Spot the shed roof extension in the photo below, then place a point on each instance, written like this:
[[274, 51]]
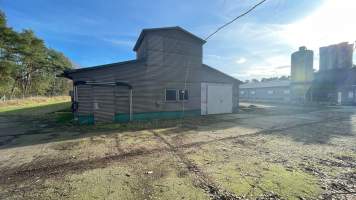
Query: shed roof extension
[[208, 71], [67, 73]]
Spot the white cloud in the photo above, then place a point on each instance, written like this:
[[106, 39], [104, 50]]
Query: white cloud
[[241, 60], [269, 46], [333, 22], [120, 42]]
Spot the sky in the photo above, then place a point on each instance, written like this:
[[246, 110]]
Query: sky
[[95, 32]]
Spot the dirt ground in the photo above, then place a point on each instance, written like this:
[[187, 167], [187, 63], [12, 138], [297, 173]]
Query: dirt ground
[[263, 152]]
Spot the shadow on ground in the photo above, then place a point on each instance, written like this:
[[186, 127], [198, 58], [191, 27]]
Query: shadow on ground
[[30, 126]]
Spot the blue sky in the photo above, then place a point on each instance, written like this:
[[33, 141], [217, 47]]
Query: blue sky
[[94, 32]]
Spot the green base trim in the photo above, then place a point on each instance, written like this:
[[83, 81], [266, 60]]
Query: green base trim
[[146, 116], [85, 119]]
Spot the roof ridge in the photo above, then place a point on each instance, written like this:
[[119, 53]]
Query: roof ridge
[[145, 30]]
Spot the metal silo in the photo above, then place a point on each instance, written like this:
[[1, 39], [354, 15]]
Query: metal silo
[[301, 74]]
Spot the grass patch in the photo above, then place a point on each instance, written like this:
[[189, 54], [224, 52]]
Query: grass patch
[[150, 177], [246, 173], [64, 117], [34, 106]]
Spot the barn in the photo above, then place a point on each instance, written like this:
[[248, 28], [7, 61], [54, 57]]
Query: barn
[[166, 80]]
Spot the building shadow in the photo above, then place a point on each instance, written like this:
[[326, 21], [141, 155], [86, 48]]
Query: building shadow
[[309, 125]]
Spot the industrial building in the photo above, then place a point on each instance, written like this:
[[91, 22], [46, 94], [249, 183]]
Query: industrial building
[[336, 79], [271, 91], [294, 90], [334, 83], [166, 80]]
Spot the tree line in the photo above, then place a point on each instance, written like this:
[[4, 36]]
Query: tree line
[[27, 66], [282, 78]]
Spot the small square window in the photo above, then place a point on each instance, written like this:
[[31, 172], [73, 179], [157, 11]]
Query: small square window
[[171, 95], [183, 95], [351, 94]]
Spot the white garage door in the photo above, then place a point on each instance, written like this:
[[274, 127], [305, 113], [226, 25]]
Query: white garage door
[[216, 98]]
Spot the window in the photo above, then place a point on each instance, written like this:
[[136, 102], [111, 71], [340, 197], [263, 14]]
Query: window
[[183, 95], [270, 91], [171, 95], [286, 91], [242, 92], [252, 92], [351, 95]]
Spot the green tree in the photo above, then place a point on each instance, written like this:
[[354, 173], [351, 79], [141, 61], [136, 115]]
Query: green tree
[[27, 66]]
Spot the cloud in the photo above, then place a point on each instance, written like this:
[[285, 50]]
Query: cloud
[[241, 60], [333, 22], [283, 67], [120, 42], [268, 46]]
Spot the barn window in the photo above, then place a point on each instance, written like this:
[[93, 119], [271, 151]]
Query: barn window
[[183, 95], [351, 95], [171, 95]]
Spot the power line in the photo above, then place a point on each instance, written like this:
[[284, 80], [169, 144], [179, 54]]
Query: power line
[[228, 23]]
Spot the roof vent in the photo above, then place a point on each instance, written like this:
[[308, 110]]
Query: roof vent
[[302, 48]]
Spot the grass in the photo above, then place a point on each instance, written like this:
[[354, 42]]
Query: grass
[[242, 170], [34, 105]]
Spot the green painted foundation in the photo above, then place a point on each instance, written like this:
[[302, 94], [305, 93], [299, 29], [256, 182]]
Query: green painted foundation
[[146, 116], [85, 119]]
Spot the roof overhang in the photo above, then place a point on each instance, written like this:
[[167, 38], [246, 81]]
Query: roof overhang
[[67, 73]]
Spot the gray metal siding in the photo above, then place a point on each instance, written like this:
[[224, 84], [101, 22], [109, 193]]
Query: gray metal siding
[[85, 99], [103, 96]]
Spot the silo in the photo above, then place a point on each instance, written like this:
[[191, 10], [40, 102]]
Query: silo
[[301, 74], [336, 56]]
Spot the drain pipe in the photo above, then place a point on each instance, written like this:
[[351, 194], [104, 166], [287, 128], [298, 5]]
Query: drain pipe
[[130, 103]]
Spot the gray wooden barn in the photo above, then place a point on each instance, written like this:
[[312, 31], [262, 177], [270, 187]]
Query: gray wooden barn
[[166, 80]]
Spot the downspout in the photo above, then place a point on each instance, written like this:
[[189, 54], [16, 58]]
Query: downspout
[[130, 91]]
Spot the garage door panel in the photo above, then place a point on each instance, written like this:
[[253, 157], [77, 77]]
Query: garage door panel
[[216, 98]]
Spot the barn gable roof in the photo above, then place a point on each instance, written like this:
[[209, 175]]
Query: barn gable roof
[[148, 30]]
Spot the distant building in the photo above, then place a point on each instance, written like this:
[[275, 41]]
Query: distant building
[[334, 83], [274, 91], [336, 80], [337, 86]]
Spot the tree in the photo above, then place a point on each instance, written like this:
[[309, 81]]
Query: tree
[[9, 40], [27, 66]]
